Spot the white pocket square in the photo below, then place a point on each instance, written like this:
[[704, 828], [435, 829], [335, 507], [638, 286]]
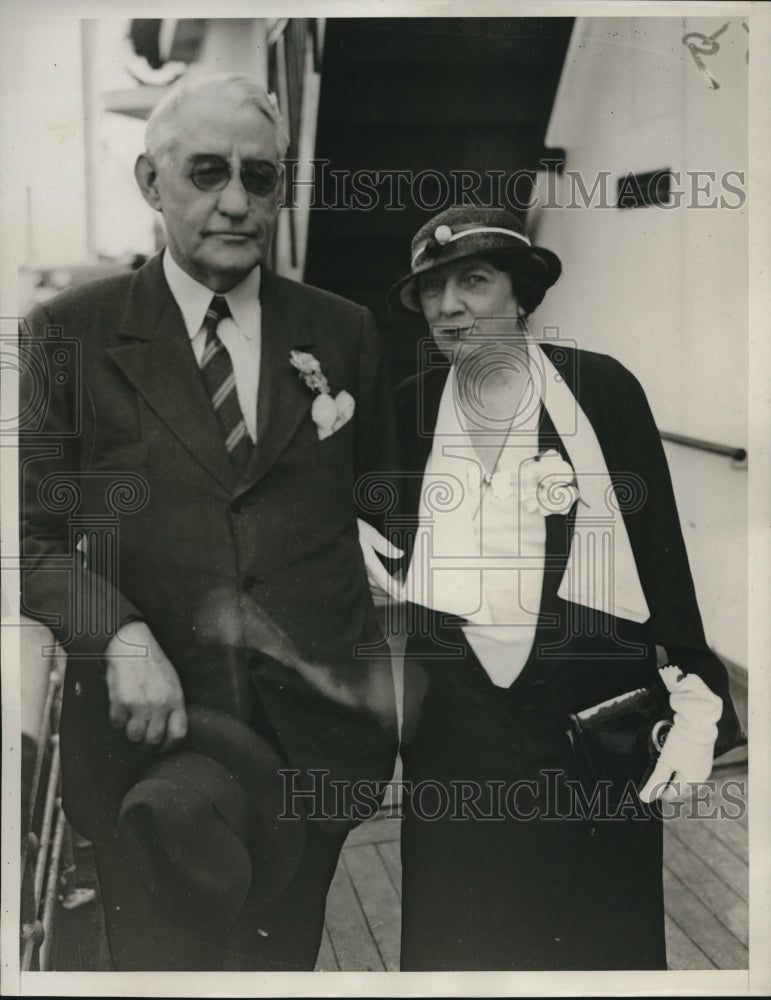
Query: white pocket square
[[331, 413]]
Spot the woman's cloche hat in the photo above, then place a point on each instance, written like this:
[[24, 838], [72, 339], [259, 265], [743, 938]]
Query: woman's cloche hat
[[462, 232]]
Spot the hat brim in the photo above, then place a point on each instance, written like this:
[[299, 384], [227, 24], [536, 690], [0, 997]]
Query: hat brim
[[197, 867], [278, 844], [402, 296], [257, 765]]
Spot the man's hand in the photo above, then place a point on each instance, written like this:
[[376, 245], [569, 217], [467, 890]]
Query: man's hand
[[146, 699], [381, 583]]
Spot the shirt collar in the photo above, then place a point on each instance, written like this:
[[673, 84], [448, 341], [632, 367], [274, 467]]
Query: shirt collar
[[194, 299]]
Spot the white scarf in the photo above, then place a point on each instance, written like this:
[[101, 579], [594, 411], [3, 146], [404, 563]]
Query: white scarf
[[600, 572], [599, 576]]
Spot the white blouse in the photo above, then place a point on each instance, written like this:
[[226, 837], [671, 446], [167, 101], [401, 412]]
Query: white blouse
[[479, 552]]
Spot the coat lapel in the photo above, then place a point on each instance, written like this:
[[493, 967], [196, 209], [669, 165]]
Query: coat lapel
[[421, 430], [559, 527], [154, 353], [283, 398]]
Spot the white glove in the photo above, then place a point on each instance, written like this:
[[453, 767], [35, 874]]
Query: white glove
[[381, 583], [688, 750]]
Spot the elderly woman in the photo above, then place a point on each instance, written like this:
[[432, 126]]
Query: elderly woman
[[547, 575]]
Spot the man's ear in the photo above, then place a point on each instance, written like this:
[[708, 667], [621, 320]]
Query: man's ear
[[147, 179]]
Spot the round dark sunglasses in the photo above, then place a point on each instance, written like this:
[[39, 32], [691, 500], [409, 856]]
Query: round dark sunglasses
[[258, 177]]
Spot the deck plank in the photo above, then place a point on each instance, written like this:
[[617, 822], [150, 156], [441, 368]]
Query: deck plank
[[701, 926], [700, 839], [390, 852], [731, 794], [378, 899], [349, 931], [735, 838], [733, 827], [682, 953], [80, 938], [326, 960], [384, 827], [723, 902]]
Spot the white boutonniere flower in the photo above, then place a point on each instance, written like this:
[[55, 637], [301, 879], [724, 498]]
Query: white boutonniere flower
[[547, 484], [329, 413]]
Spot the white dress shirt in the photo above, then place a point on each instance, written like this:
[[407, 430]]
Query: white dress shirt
[[240, 334]]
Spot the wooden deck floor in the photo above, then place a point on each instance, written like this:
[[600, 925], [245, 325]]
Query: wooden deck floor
[[706, 882], [706, 887]]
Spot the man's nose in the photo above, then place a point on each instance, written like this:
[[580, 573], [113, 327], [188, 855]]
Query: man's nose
[[234, 198]]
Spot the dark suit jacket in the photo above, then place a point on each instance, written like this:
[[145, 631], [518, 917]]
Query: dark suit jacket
[[122, 448], [585, 656]]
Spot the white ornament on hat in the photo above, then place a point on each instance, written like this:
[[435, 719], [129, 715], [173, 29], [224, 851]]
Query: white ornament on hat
[[444, 235]]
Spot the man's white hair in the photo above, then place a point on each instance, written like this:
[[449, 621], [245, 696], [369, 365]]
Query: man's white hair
[[239, 88]]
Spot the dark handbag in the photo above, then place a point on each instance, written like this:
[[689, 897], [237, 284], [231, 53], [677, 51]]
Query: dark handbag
[[619, 740]]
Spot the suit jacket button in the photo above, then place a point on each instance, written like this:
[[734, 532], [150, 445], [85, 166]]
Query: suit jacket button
[[236, 506], [249, 582]]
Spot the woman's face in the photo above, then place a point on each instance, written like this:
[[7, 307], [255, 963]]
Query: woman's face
[[457, 296]]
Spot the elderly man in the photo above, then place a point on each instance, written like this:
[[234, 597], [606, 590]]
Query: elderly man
[[190, 535]]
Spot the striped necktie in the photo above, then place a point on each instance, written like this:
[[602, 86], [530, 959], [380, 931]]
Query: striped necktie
[[220, 382]]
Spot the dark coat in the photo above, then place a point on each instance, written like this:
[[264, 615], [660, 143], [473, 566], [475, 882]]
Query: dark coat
[[615, 404], [122, 446], [486, 888]]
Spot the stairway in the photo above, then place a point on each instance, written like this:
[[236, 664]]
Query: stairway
[[415, 95]]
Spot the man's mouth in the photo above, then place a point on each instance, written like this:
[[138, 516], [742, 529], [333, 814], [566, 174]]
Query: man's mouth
[[231, 237]]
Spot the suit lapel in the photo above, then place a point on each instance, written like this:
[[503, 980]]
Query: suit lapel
[[283, 398], [156, 356]]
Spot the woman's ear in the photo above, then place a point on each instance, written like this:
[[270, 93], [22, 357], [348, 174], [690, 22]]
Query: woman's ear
[[147, 178]]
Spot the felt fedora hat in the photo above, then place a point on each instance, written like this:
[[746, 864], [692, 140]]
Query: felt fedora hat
[[462, 232], [203, 828]]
